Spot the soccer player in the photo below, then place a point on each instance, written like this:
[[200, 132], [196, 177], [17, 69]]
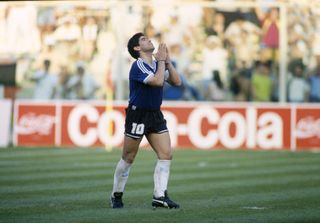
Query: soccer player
[[143, 117]]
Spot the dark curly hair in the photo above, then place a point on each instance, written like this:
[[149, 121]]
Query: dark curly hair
[[133, 42]]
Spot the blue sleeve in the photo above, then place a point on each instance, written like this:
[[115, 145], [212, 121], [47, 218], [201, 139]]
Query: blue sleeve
[[140, 73]]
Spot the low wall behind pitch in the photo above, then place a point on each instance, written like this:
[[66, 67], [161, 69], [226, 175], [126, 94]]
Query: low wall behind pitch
[[201, 125]]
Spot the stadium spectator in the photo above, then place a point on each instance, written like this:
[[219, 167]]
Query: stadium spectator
[[23, 36], [314, 81], [299, 38], [45, 82], [270, 31], [213, 23], [68, 29], [46, 21], [315, 40], [103, 61], [88, 40], [215, 90], [236, 27], [82, 85], [298, 88], [189, 16], [49, 51], [218, 25], [67, 36], [182, 53], [60, 91], [207, 21], [190, 91], [171, 92], [176, 31], [261, 82], [20, 25], [246, 50], [240, 86], [243, 37], [230, 13], [186, 91], [235, 87], [214, 57]]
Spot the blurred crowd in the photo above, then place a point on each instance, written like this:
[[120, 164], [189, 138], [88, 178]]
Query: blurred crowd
[[68, 51]]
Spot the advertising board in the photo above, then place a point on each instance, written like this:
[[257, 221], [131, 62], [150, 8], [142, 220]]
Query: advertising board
[[197, 125]]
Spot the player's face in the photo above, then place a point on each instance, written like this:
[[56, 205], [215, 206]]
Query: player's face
[[145, 44]]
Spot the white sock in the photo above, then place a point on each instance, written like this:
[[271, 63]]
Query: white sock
[[161, 177], [121, 175]]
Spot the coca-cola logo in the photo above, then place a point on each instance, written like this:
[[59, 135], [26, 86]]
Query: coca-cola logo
[[32, 123], [250, 128], [308, 127]]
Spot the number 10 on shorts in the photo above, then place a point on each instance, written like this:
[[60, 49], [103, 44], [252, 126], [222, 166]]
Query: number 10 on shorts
[[137, 128]]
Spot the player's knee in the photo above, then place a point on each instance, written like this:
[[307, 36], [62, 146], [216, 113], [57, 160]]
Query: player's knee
[[165, 156], [129, 157]]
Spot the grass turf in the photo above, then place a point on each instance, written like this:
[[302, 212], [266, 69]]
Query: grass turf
[[73, 185]]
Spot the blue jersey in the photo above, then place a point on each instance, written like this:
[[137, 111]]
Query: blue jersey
[[143, 95]]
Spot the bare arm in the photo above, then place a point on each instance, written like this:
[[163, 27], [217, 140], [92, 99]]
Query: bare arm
[[260, 14], [174, 77], [158, 78]]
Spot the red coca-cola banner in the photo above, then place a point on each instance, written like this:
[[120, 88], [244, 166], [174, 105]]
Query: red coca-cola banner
[[35, 124], [192, 125], [307, 128]]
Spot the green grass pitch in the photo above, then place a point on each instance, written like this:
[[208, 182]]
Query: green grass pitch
[[73, 185]]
